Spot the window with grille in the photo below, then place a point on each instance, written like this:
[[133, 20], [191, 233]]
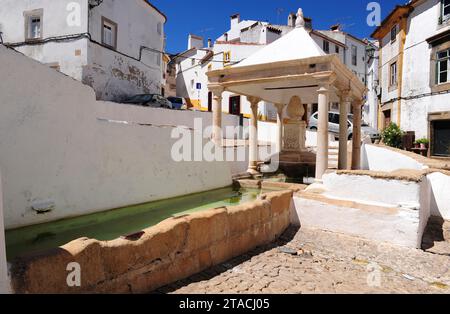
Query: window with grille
[[445, 10], [326, 46], [33, 24], [354, 55], [442, 66], [393, 34], [109, 33], [393, 74]]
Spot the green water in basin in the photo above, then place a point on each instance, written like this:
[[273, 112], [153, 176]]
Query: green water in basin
[[113, 224]]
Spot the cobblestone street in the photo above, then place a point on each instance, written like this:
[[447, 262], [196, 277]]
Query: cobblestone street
[[316, 261]]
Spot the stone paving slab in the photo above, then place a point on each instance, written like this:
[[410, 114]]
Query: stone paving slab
[[315, 261]]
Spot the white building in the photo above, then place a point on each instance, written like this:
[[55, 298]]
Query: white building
[[414, 58], [370, 111], [113, 46], [228, 49], [244, 38]]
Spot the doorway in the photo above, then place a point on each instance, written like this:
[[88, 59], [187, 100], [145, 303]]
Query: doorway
[[235, 105], [210, 99], [440, 138], [386, 118]]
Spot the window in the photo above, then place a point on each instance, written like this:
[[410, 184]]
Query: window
[[394, 34], [336, 49], [354, 55], [109, 33], [33, 24], [210, 101], [326, 46], [159, 28], [192, 85], [442, 66], [445, 10], [35, 27], [393, 74], [227, 57], [192, 62], [235, 105]]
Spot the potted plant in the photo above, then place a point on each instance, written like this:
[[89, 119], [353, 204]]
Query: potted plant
[[423, 142], [392, 136]]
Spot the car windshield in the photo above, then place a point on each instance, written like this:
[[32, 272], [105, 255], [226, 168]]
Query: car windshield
[[140, 98], [175, 100], [350, 118]]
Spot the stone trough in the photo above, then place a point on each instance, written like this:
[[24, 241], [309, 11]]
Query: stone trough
[[172, 250]]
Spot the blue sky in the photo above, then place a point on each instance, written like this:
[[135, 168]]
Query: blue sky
[[210, 18]]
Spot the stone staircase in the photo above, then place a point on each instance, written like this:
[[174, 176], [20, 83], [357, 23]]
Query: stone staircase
[[333, 156]]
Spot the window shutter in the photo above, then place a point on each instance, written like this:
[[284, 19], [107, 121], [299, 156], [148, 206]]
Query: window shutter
[[437, 73]]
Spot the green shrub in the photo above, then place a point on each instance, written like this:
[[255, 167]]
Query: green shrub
[[423, 141], [392, 136]]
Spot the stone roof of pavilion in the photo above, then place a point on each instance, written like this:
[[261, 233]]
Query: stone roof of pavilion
[[295, 45]]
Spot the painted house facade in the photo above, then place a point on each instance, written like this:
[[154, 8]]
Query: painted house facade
[[113, 46], [244, 38], [414, 63]]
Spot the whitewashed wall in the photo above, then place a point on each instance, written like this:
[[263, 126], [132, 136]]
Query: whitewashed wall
[[54, 148], [4, 281], [70, 56], [422, 24], [376, 158], [440, 198], [113, 75], [381, 159], [54, 18]]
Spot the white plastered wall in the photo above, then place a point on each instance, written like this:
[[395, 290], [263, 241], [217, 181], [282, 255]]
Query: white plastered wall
[[54, 149]]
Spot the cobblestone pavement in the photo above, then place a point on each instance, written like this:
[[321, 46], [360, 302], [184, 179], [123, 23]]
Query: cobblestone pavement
[[316, 261]]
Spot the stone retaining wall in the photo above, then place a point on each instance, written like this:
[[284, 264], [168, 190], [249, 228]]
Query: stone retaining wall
[[172, 250]]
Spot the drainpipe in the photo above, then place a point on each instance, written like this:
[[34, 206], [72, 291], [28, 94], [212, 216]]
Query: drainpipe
[[4, 281]]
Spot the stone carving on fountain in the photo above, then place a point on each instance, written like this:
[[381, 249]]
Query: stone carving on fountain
[[295, 127]]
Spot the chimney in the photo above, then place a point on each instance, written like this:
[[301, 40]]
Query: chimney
[[336, 27], [209, 43], [308, 23], [235, 20], [195, 41], [292, 18]]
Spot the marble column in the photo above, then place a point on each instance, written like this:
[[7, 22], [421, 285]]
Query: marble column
[[217, 115], [322, 132], [253, 136], [279, 142], [356, 150], [343, 128]]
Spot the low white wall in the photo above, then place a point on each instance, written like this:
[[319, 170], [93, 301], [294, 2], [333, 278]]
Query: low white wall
[[54, 150], [376, 158], [368, 189], [440, 195], [411, 198], [144, 115], [400, 227]]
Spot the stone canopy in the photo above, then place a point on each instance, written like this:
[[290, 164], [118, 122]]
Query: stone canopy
[[294, 66]]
